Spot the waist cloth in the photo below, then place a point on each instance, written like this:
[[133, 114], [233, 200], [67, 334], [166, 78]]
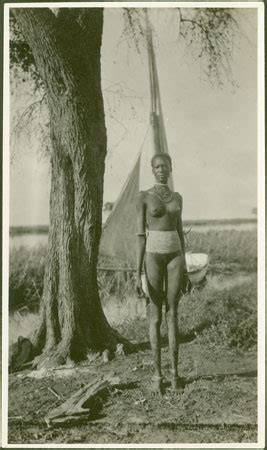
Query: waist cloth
[[163, 242]]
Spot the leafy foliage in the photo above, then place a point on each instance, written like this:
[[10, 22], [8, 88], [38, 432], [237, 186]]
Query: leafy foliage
[[21, 56], [33, 118]]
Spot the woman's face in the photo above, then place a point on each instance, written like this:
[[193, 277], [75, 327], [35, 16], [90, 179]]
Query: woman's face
[[161, 169]]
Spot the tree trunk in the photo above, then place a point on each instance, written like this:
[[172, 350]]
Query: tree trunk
[[67, 49]]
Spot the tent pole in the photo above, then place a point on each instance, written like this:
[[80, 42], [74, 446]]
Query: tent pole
[[153, 87]]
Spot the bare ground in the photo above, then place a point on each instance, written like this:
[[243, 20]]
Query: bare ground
[[218, 403]]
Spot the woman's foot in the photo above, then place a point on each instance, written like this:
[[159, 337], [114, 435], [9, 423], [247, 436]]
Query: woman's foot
[[176, 383], [157, 385]]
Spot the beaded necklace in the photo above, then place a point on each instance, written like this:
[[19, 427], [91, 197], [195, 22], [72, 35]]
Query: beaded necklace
[[163, 192]]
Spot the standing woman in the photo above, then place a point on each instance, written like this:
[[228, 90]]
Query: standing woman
[[160, 246]]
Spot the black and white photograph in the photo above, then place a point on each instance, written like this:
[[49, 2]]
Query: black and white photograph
[[133, 225]]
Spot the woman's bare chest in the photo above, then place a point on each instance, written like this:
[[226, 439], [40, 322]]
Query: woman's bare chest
[[158, 208]]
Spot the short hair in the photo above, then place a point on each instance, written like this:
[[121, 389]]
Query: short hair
[[161, 155]]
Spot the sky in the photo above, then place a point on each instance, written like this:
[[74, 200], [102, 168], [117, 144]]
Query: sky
[[211, 131]]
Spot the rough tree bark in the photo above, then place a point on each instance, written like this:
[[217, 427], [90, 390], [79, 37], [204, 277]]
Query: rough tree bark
[[66, 49]]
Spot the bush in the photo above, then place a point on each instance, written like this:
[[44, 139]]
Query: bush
[[234, 322]]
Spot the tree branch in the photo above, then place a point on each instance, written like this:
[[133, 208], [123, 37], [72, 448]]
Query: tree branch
[[194, 22], [209, 33]]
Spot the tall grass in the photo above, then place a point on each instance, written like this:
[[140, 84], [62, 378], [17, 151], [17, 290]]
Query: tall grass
[[224, 247], [223, 313], [26, 274]]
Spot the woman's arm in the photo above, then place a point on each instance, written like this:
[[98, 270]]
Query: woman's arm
[[180, 223], [186, 285], [141, 240]]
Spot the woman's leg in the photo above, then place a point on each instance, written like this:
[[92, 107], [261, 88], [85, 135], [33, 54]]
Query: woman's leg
[[155, 275], [175, 270]]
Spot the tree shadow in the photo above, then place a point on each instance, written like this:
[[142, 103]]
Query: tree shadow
[[215, 376], [184, 338], [222, 376]]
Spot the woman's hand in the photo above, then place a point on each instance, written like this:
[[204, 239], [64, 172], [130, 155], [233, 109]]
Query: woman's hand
[[139, 288], [186, 284]]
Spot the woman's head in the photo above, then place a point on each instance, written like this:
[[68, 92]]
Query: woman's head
[[161, 167]]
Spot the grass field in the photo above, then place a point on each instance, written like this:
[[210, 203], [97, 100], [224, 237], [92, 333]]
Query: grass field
[[224, 311]]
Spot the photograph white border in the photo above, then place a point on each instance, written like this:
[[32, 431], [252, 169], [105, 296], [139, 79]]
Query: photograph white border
[[261, 219]]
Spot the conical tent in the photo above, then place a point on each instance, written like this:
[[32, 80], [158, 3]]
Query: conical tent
[[118, 237], [119, 230]]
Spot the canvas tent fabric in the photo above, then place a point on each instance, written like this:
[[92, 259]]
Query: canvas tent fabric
[[119, 233]]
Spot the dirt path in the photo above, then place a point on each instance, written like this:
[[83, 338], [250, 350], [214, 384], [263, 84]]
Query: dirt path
[[218, 403]]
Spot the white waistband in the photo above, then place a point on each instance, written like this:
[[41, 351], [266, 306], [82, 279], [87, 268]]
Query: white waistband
[[162, 242]]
